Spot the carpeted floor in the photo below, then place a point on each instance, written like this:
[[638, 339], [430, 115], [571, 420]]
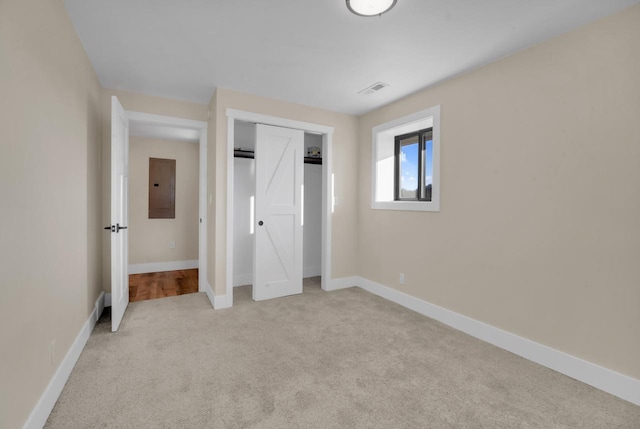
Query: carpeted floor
[[343, 359]]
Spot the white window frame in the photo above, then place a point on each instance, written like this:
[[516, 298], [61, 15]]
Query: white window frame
[[383, 144]]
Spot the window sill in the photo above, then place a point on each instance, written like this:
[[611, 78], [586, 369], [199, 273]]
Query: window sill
[[422, 206]]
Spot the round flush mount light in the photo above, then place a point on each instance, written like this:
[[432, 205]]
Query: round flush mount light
[[370, 7]]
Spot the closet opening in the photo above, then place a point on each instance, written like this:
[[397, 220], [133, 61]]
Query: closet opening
[[244, 210], [266, 178]]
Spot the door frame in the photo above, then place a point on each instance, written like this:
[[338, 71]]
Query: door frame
[[201, 128], [327, 186]]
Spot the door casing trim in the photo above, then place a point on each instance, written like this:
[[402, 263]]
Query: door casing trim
[[201, 127], [327, 189]]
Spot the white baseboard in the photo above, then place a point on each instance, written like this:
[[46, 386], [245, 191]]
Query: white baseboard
[[221, 302], [597, 376], [209, 292], [99, 306], [341, 283], [41, 411], [242, 279], [311, 272], [107, 299], [158, 267]]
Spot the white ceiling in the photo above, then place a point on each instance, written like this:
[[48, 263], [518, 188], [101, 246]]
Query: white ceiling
[[312, 52]]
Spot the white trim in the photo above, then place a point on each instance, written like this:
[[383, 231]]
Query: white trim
[[201, 126], [202, 206], [422, 206], [327, 194], [341, 283], [100, 305], [41, 411], [407, 124], [242, 279], [219, 302], [107, 299], [594, 375], [209, 292], [158, 267], [276, 121], [153, 119], [328, 206], [230, 203]]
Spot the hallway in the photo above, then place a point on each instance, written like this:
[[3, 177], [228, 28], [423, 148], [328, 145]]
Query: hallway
[[161, 285]]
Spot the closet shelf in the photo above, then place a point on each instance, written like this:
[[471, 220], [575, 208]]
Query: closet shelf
[[239, 153]]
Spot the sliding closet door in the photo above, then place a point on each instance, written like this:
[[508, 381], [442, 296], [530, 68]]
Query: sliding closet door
[[278, 213]]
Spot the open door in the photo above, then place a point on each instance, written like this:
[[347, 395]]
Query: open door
[[119, 212], [277, 256]]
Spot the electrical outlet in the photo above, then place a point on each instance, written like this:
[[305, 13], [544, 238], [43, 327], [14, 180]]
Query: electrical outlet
[[52, 350], [401, 279], [172, 244]]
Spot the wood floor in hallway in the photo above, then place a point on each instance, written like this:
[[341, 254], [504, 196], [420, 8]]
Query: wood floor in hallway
[[160, 285]]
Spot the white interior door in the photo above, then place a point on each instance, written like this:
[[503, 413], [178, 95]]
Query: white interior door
[[277, 256], [119, 212]]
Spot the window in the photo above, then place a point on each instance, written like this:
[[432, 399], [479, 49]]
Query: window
[[414, 166], [406, 163]]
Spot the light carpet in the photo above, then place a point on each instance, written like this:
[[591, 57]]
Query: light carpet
[[343, 359]]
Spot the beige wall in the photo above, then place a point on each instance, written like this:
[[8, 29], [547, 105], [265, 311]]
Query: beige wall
[[540, 168], [149, 238], [344, 219], [137, 103], [538, 232], [50, 175]]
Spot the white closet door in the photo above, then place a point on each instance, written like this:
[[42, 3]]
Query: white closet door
[[278, 213]]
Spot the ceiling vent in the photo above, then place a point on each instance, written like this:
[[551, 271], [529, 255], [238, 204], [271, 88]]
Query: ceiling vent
[[373, 88]]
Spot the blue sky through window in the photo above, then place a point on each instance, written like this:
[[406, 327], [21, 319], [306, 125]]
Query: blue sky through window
[[409, 165], [428, 162]]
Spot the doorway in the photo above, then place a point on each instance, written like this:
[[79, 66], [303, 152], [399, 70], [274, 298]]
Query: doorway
[[163, 213], [184, 130], [319, 138], [151, 125]]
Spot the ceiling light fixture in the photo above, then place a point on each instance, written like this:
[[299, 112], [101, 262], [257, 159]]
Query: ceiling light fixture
[[370, 7]]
